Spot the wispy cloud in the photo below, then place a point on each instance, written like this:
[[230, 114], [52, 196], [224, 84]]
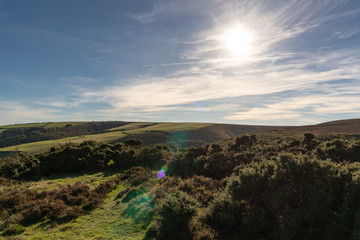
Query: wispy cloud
[[13, 112], [297, 107], [346, 34], [147, 17], [214, 82], [171, 8]]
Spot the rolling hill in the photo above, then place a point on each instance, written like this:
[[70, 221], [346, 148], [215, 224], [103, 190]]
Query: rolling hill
[[38, 137], [333, 127]]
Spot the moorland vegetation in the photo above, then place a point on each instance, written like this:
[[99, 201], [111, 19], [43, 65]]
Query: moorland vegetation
[[249, 187]]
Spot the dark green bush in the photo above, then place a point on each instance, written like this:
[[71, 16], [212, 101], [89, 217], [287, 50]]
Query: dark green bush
[[133, 142], [292, 196], [175, 214], [19, 166]]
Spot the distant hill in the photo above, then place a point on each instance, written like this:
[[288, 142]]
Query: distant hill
[[37, 137], [333, 127]]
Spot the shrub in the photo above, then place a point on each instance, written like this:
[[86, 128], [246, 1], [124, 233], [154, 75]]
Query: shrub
[[19, 166], [224, 215], [14, 229], [175, 214], [133, 142], [308, 142], [243, 142], [289, 196], [200, 188], [136, 175], [335, 150]]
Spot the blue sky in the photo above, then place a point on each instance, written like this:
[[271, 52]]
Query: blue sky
[[285, 62]]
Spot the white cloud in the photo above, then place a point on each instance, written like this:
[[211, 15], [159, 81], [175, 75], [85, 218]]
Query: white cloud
[[225, 80], [293, 108], [12, 112]]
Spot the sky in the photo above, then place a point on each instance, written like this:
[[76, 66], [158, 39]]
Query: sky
[[279, 62]]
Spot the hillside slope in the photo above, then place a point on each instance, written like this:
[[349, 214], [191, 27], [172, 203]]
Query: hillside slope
[[39, 137], [333, 127]]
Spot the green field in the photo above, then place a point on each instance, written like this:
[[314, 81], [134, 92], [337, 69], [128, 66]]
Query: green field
[[42, 146]]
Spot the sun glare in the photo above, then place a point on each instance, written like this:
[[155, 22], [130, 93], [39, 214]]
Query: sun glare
[[238, 41]]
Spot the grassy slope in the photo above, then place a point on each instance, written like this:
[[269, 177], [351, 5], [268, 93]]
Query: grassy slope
[[204, 131], [104, 222], [170, 127], [131, 126], [141, 127], [25, 125], [108, 137], [41, 146], [44, 125]]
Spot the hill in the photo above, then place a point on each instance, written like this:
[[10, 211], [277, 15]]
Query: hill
[[38, 137], [333, 127]]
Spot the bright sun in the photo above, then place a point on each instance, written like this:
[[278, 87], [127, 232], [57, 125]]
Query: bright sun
[[238, 41]]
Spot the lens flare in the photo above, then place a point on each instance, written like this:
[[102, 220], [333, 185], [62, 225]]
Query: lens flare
[[162, 172], [178, 137]]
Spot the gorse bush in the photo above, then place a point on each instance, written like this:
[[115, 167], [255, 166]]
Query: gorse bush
[[87, 157], [175, 214], [19, 166], [291, 196]]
